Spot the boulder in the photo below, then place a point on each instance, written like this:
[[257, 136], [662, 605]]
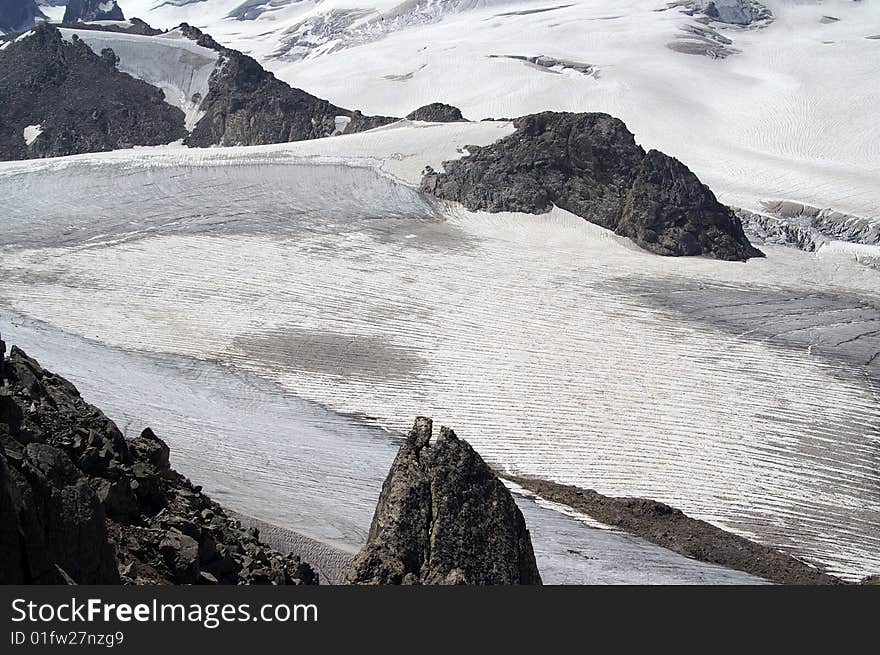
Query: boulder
[[437, 112], [444, 518]]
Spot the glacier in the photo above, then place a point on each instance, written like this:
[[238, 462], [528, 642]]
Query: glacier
[[745, 394]]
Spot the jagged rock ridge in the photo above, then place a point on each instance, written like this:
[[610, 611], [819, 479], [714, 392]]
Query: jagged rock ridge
[[590, 165], [83, 11], [444, 518], [248, 105], [80, 503], [59, 97]]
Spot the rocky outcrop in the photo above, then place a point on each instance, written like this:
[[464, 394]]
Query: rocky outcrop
[[248, 105], [81, 503], [444, 518], [59, 97], [84, 11], [437, 112], [731, 12], [590, 165], [19, 15]]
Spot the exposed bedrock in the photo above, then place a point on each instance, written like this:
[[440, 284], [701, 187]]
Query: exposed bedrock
[[248, 105], [437, 112], [59, 97], [444, 518], [83, 11], [18, 15], [732, 12], [80, 503], [590, 165]]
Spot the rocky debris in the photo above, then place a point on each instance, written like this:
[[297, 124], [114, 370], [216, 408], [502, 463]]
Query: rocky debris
[[763, 229], [805, 227], [702, 40], [437, 112], [81, 503], [84, 11], [671, 528], [553, 64], [444, 518], [247, 105], [740, 13], [19, 15], [75, 101], [713, 15], [590, 165]]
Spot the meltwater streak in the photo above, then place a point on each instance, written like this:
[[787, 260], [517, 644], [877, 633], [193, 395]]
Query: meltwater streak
[[525, 333]]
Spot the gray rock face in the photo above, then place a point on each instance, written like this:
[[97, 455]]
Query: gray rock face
[[436, 112], [79, 100], [18, 15], [80, 503], [732, 12], [247, 105], [444, 518], [83, 11], [590, 164]]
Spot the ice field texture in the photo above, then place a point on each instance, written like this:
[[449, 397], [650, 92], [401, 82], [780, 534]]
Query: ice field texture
[[267, 453], [281, 313], [745, 394]]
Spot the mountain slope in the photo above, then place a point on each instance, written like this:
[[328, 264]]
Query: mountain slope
[[84, 11], [246, 105], [58, 97], [74, 90], [757, 118]]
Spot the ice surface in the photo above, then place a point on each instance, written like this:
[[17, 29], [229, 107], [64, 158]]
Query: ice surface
[[557, 349], [266, 453]]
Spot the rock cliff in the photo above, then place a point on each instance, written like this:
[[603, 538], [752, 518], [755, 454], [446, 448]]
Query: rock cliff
[[18, 15]]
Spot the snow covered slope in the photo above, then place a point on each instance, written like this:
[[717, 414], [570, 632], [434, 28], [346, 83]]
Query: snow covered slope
[[791, 115]]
